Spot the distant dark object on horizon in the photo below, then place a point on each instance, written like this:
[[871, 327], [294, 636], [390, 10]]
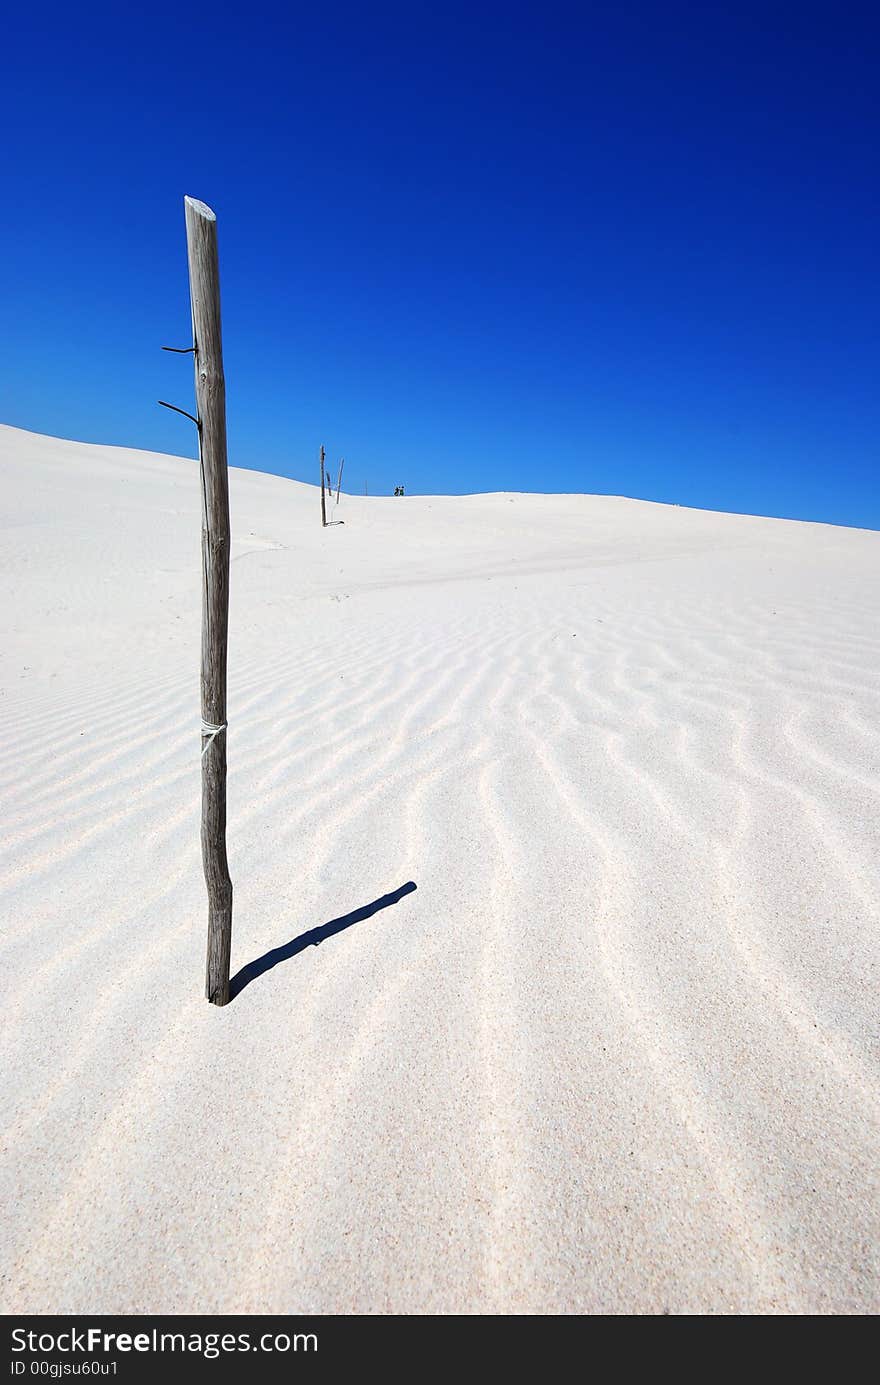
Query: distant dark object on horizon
[[399, 490]]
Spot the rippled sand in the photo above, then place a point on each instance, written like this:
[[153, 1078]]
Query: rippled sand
[[617, 1051]]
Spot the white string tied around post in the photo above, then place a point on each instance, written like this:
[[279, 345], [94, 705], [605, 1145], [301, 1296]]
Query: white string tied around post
[[211, 731]]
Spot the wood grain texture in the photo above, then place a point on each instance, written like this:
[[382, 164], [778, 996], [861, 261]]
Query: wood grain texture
[[204, 284]]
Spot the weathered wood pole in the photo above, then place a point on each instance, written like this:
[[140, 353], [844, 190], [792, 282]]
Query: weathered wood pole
[[323, 494], [204, 289], [339, 478]]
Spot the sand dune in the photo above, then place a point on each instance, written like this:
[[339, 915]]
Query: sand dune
[[617, 1050]]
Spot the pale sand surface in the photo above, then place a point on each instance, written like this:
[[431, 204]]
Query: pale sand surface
[[618, 1050]]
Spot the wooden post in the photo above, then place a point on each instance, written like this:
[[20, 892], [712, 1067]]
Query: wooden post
[[323, 498], [339, 478], [204, 288]]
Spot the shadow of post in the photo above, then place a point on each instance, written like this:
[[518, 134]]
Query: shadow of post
[[261, 965]]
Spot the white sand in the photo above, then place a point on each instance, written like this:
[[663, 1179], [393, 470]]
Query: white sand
[[616, 1052]]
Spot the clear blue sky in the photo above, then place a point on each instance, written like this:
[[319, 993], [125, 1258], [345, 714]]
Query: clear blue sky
[[626, 248]]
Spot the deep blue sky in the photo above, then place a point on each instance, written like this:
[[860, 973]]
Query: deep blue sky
[[626, 248]]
